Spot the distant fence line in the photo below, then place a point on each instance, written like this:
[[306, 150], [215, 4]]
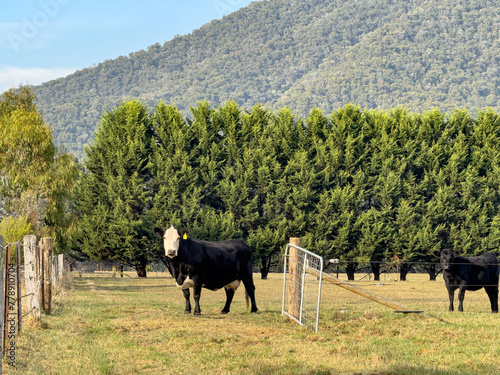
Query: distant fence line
[[96, 267], [158, 269], [107, 266]]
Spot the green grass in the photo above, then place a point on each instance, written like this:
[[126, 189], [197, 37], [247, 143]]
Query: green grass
[[104, 325]]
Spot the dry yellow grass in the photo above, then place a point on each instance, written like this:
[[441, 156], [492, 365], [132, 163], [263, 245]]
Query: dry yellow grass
[[105, 325]]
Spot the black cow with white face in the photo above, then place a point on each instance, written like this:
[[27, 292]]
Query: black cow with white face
[[470, 273], [209, 264]]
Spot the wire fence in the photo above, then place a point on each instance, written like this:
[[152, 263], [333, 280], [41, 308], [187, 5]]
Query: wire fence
[[115, 269], [364, 271], [27, 280]]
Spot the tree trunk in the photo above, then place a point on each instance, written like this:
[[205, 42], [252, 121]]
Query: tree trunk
[[141, 271], [431, 270], [263, 273], [351, 269], [141, 267], [376, 270], [264, 269], [404, 268]]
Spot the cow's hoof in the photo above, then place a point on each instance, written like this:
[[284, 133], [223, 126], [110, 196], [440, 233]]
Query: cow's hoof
[[254, 311], [196, 313], [187, 311], [224, 312]]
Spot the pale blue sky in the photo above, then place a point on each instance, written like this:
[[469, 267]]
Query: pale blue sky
[[45, 39]]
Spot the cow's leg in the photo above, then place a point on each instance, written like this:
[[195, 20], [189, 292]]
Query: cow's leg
[[188, 302], [461, 296], [494, 303], [250, 289], [229, 299], [196, 297], [492, 292], [451, 295]]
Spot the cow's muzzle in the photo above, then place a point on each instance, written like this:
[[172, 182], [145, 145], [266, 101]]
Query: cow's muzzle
[[171, 253]]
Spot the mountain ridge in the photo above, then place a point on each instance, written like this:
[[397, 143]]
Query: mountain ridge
[[420, 54]]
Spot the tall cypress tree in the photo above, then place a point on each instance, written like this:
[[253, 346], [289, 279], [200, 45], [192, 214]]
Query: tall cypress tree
[[174, 178], [114, 195]]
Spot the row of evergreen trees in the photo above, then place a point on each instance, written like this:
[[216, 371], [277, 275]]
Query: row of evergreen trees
[[362, 186]]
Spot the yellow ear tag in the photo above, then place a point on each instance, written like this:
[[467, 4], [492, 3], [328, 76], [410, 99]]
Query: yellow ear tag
[[185, 237]]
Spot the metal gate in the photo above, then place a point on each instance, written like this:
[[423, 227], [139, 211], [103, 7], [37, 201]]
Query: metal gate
[[302, 289]]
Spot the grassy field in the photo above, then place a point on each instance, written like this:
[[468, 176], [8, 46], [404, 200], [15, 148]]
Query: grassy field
[[104, 325]]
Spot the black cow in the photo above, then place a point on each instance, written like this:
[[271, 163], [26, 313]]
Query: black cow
[[470, 273], [208, 264]]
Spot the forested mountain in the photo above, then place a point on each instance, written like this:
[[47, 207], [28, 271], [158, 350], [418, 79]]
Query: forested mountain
[[419, 54]]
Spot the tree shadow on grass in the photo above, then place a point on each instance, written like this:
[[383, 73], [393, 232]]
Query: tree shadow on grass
[[132, 288], [422, 370], [84, 284]]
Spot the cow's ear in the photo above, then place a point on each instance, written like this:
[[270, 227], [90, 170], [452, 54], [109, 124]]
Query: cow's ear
[[456, 253], [437, 253], [158, 232], [184, 235]]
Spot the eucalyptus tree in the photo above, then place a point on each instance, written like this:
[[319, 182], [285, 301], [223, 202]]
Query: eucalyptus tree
[[36, 179]]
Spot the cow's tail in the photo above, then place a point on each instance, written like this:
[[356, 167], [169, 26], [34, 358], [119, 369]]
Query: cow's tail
[[247, 299]]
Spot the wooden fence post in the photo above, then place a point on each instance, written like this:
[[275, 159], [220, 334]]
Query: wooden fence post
[[62, 269], [295, 279], [2, 299], [38, 272], [54, 272], [18, 282], [31, 277], [6, 298], [58, 270], [46, 250]]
